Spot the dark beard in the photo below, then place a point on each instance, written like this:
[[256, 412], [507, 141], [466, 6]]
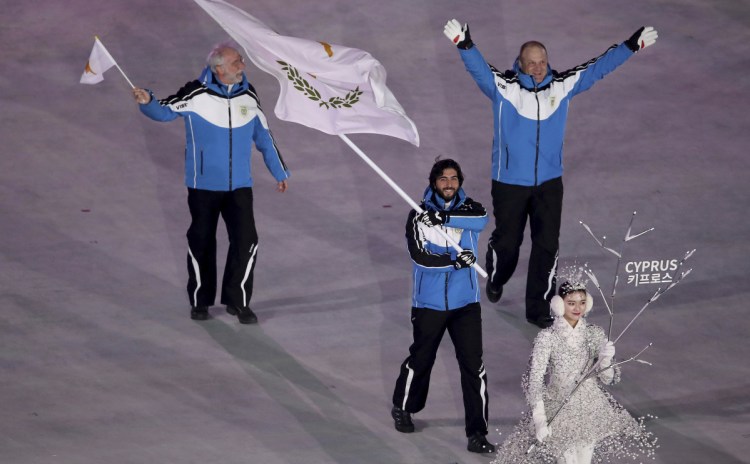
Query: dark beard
[[440, 195]]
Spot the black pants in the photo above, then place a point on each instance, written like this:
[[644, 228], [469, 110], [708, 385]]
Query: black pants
[[236, 208], [542, 205], [465, 329]]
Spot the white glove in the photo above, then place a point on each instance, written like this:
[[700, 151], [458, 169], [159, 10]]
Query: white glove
[[606, 353], [540, 421], [642, 38], [458, 34]]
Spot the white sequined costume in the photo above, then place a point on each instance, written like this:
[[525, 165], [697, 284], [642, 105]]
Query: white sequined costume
[[591, 416]]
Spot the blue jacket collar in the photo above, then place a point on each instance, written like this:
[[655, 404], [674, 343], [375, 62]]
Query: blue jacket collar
[[527, 81], [432, 201], [209, 79]]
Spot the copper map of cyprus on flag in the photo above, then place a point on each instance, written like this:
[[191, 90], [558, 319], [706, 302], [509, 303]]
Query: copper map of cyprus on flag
[[331, 88], [99, 61]]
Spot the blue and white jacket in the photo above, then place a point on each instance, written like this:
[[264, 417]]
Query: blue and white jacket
[[437, 284], [529, 118], [220, 128]]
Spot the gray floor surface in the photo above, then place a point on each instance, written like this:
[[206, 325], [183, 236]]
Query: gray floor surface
[[99, 361]]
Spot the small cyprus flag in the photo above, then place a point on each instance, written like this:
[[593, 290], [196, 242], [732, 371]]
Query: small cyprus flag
[[99, 61]]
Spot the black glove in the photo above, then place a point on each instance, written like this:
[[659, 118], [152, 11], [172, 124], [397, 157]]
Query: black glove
[[458, 34], [432, 218], [642, 38], [464, 259]]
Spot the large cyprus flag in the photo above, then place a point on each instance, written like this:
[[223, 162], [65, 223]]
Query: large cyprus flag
[[331, 88]]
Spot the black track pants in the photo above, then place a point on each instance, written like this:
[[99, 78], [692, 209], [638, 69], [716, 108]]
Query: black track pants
[[512, 205], [464, 326], [236, 208]]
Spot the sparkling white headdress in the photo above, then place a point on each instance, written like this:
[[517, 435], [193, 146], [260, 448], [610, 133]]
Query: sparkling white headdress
[[573, 279]]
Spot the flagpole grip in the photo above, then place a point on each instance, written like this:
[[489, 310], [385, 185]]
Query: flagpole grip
[[405, 197], [123, 75]]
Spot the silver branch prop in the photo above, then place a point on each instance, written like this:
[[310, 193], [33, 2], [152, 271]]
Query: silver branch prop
[[659, 292], [628, 237], [590, 274], [589, 373]]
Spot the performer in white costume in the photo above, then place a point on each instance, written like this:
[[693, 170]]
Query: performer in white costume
[[591, 425]]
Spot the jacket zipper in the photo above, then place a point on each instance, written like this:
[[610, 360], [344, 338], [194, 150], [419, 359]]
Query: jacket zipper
[[538, 128], [229, 109], [447, 274], [446, 290]]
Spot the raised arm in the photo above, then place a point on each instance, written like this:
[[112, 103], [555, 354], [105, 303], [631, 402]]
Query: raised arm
[[153, 108], [594, 70], [473, 60]]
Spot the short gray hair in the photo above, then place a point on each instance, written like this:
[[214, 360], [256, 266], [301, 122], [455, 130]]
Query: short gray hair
[[216, 55]]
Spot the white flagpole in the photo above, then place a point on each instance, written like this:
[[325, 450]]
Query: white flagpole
[[96, 37], [406, 198]]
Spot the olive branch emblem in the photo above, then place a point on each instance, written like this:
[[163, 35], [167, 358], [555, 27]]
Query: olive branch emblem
[[301, 84]]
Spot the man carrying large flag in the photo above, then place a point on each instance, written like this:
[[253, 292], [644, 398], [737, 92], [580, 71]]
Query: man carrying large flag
[[223, 119], [334, 89]]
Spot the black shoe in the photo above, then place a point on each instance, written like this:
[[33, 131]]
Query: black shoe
[[493, 293], [541, 322], [244, 314], [199, 313], [478, 444], [402, 420]]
